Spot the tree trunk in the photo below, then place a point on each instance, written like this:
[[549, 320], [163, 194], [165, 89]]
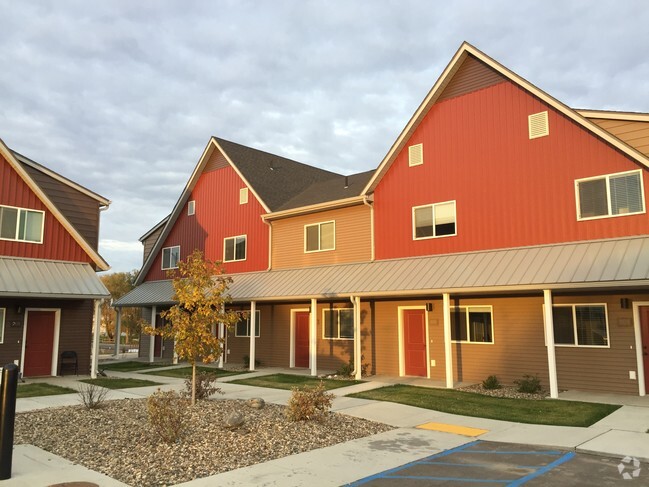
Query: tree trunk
[[193, 383]]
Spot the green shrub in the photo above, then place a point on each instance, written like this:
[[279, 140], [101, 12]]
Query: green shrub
[[491, 382], [309, 403], [167, 415], [205, 386], [529, 384], [347, 370], [92, 396]]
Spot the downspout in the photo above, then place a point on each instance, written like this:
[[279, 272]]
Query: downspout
[[368, 202], [270, 244]]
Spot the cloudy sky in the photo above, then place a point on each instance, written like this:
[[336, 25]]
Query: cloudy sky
[[122, 96]]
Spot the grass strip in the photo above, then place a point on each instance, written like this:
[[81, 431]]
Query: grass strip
[[130, 366], [184, 372], [41, 389], [288, 381], [119, 383], [547, 411]]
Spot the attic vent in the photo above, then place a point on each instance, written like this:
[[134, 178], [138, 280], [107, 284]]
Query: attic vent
[[416, 155], [538, 125], [243, 196]]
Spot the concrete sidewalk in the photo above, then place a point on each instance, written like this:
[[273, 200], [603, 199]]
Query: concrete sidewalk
[[623, 433]]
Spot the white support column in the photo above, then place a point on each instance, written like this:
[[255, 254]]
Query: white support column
[[549, 341], [253, 332], [118, 331], [221, 334], [358, 359], [94, 356], [313, 337], [448, 350], [152, 337]]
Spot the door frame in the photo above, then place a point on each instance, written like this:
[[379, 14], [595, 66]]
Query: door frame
[[55, 342], [402, 357], [291, 359], [638, 346]]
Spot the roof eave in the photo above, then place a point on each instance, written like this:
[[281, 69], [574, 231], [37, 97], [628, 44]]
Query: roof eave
[[327, 205]]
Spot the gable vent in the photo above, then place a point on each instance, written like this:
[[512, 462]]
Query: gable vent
[[538, 125], [416, 155]]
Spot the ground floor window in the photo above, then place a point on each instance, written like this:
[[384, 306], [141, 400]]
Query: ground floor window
[[472, 324], [583, 325], [242, 328], [338, 323]]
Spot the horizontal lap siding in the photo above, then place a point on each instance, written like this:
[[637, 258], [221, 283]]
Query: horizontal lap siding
[[636, 134]]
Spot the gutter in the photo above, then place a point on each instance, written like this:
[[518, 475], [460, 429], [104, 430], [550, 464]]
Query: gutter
[[328, 205]]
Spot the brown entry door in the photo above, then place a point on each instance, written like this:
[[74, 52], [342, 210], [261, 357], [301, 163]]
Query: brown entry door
[[414, 340], [644, 329], [39, 342], [302, 339]]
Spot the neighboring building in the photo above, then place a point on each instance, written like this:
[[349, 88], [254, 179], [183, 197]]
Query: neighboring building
[[503, 233], [49, 292]]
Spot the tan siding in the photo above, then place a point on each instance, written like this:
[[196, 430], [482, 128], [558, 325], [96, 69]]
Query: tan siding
[[353, 238], [472, 75], [636, 134], [150, 242], [216, 161]]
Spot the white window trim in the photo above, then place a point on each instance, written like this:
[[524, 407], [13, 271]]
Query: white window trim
[[3, 320], [257, 327], [191, 208], [324, 310], [319, 224], [18, 223], [243, 196], [414, 223], [574, 325], [608, 195], [162, 260], [467, 307], [245, 257]]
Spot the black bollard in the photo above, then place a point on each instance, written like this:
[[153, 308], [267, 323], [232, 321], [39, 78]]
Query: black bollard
[[7, 418]]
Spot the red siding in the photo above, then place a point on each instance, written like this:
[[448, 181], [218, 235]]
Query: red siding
[[57, 244], [219, 215], [510, 191]]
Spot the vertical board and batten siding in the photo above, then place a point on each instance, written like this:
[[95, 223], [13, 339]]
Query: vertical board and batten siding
[[57, 244], [218, 215], [635, 134], [510, 191], [150, 241], [353, 239]]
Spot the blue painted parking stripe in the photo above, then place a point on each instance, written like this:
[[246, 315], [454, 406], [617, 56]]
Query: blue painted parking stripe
[[451, 464], [565, 458], [448, 479], [502, 452]]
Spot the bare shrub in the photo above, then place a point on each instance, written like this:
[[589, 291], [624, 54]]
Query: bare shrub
[[309, 403], [92, 396], [167, 414], [205, 386]]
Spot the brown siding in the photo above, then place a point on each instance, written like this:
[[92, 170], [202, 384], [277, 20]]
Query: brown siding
[[216, 161], [353, 238], [472, 75], [167, 344], [150, 241], [636, 134]]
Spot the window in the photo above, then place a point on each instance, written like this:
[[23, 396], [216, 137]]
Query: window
[[2, 325], [243, 196], [21, 224], [611, 195], [234, 248], [191, 208], [338, 323], [472, 324], [416, 155], [242, 328], [319, 237], [170, 257], [583, 325], [432, 221]]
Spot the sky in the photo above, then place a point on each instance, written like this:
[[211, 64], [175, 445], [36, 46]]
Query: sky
[[122, 96]]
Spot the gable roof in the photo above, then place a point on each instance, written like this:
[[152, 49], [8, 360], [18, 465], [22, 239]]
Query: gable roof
[[465, 51], [9, 156]]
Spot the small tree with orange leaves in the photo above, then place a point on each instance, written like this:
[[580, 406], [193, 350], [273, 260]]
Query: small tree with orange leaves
[[200, 289]]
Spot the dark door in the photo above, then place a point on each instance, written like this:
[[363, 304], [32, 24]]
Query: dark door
[[414, 340], [302, 339], [39, 342], [644, 331]]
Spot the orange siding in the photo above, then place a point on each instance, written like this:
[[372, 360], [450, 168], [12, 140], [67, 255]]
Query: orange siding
[[636, 134], [353, 238]]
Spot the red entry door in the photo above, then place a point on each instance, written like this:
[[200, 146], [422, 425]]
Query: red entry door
[[302, 339], [39, 342], [414, 339], [644, 331]]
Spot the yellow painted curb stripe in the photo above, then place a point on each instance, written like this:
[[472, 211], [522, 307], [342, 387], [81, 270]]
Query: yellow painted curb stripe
[[452, 428]]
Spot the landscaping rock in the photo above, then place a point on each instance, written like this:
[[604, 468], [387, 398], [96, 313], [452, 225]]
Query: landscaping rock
[[256, 403], [233, 420]]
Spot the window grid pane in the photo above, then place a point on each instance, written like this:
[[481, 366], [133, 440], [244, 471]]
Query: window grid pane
[[346, 318], [330, 324], [592, 198], [8, 222], [564, 332], [327, 236], [240, 251], [626, 194], [445, 219], [591, 325], [458, 324], [424, 222], [312, 238], [229, 249]]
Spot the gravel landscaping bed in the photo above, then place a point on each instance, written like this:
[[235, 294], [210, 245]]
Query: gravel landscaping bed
[[504, 391], [116, 439]]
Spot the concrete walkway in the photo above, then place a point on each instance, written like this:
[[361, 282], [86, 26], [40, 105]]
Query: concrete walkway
[[623, 433]]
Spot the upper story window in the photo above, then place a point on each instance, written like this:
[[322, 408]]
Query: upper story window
[[21, 224], [581, 325], [170, 257], [416, 155], [319, 237], [191, 208], [242, 328], [234, 248], [472, 324], [243, 196], [437, 220], [611, 195]]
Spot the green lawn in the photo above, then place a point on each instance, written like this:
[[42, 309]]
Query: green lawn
[[547, 411], [117, 383], [288, 381], [130, 366], [183, 372], [41, 389]]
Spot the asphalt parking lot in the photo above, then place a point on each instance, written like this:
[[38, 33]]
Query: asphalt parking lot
[[505, 464]]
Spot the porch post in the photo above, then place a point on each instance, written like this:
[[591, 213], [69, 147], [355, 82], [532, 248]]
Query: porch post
[[549, 340], [253, 332], [94, 362], [118, 330], [448, 350], [152, 337], [313, 337], [357, 338], [221, 361]]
